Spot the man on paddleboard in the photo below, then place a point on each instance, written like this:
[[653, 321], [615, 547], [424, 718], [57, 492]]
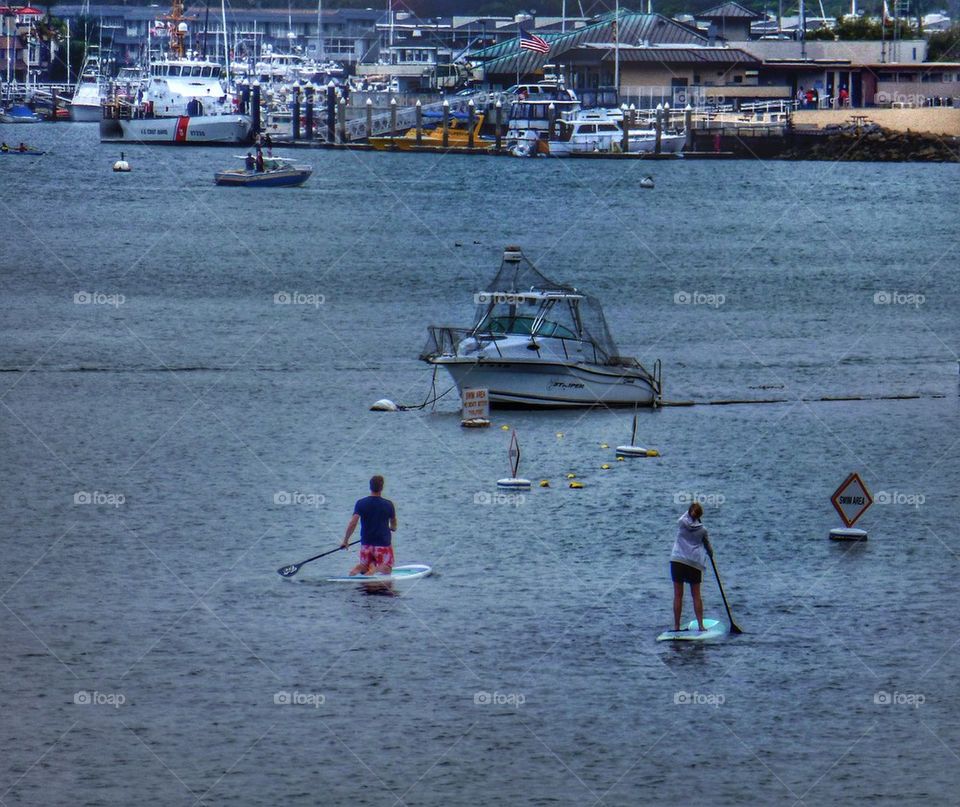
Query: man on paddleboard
[[378, 519], [687, 562]]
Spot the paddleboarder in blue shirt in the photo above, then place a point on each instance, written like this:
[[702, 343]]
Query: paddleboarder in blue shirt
[[687, 562], [378, 520]]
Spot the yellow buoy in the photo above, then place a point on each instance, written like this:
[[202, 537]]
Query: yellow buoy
[[576, 485], [505, 427], [604, 445], [544, 483], [620, 459], [652, 452], [571, 476], [605, 467], [559, 435]]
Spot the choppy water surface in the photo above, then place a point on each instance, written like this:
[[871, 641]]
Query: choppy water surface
[[152, 654]]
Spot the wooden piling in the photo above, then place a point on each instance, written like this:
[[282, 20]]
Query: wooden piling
[[659, 129], [688, 128], [295, 118], [369, 119], [446, 123], [342, 119], [393, 120], [419, 122], [498, 135], [471, 115]]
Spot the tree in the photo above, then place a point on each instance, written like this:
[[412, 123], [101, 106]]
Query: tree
[[944, 46]]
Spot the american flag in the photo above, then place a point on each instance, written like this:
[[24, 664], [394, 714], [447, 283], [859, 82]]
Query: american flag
[[530, 41]]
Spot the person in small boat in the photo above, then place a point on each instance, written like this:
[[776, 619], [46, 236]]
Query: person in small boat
[[260, 166], [22, 147], [4, 148], [268, 143], [687, 562], [249, 163], [377, 517]]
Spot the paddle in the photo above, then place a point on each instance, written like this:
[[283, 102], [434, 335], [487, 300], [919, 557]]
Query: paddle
[[293, 568], [734, 627]]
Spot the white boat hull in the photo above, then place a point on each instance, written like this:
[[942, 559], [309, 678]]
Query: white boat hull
[[550, 384], [182, 130], [85, 113]]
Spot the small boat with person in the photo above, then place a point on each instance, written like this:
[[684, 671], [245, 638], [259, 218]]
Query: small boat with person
[[276, 172]]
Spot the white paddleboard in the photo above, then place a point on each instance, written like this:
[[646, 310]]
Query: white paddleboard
[[692, 632], [412, 571]]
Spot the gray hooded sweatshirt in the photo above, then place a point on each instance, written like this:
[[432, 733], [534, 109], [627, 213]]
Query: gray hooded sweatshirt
[[688, 548]]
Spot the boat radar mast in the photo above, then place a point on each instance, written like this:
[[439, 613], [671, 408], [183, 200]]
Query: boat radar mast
[[177, 26]]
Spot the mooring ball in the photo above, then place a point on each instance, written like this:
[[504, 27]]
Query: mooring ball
[[604, 445], [505, 427], [652, 452], [571, 476], [544, 483], [605, 467], [384, 405], [620, 459], [576, 484]]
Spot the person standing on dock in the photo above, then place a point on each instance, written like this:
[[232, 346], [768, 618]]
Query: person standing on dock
[[687, 562], [377, 517]]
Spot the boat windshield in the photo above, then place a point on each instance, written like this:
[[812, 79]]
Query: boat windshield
[[520, 300], [525, 325]]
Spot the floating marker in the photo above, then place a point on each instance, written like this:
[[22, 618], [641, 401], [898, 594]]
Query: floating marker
[[505, 427], [576, 485], [559, 435], [571, 476], [633, 450], [544, 483], [475, 423], [848, 534], [384, 405], [620, 459], [514, 482], [605, 467], [121, 166], [604, 445]]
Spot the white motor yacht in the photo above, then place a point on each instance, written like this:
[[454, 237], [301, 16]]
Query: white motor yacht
[[536, 343]]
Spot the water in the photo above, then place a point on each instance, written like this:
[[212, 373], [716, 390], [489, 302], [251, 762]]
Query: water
[[524, 671]]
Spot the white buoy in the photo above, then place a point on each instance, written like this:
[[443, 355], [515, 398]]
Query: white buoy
[[633, 450], [384, 405], [513, 483], [121, 166], [475, 423], [646, 182], [848, 534]]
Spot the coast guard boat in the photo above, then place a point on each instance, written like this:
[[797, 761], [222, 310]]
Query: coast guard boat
[[536, 343], [183, 101]]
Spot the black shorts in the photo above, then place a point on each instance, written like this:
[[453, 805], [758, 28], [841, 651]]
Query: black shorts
[[682, 573]]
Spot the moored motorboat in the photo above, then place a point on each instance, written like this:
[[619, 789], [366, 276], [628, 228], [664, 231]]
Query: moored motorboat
[[537, 343], [278, 172], [19, 113], [458, 137]]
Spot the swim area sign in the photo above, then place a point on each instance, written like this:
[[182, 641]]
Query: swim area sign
[[476, 404], [852, 499]]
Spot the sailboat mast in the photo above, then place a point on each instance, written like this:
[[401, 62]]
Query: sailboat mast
[[226, 41], [616, 48], [320, 54]]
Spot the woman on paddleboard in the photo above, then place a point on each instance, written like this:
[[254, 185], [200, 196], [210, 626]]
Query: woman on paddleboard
[[687, 562], [378, 520]]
